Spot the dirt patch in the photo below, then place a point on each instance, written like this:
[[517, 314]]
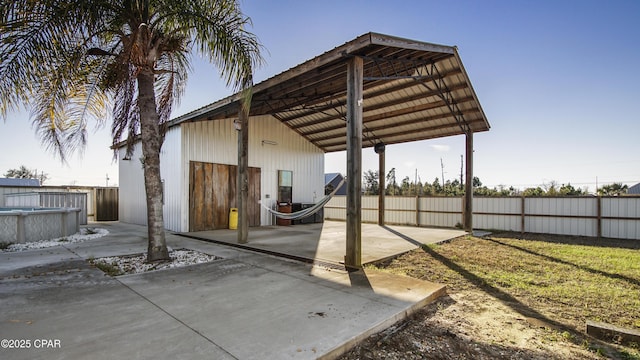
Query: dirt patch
[[512, 298], [472, 325]]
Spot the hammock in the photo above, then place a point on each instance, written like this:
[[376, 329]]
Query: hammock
[[308, 211]]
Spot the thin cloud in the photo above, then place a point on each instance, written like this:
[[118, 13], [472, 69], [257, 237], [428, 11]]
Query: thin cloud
[[441, 148]]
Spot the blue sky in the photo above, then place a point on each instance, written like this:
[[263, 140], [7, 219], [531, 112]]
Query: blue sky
[[558, 81]]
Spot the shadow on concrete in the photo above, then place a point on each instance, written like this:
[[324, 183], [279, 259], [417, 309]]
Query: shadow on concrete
[[326, 243], [403, 236], [358, 277], [243, 305]]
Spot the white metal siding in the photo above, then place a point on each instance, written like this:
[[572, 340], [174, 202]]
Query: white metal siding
[[369, 208], [560, 207], [439, 211], [561, 226], [336, 208], [132, 204], [398, 210], [622, 207], [620, 216], [216, 142], [171, 171], [486, 210], [10, 190], [585, 206], [451, 206], [23, 200]]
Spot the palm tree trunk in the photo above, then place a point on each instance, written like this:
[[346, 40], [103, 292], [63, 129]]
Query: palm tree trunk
[[151, 144]]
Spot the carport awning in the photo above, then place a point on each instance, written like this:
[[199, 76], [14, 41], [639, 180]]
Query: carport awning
[[412, 91]]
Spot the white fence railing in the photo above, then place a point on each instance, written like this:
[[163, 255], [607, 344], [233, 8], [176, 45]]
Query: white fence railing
[[611, 217], [49, 200]]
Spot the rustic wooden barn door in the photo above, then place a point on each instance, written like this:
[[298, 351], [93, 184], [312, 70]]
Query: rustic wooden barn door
[[212, 192]]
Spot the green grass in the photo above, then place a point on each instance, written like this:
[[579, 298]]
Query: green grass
[[561, 279], [110, 269]]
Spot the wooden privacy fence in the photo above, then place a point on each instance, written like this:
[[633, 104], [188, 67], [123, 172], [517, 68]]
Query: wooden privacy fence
[[106, 204], [611, 217]]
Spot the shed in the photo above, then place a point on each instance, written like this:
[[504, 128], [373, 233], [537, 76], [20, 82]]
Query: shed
[[372, 91], [13, 182], [12, 185], [199, 169]]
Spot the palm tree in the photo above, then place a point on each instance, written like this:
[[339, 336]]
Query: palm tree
[[66, 60]]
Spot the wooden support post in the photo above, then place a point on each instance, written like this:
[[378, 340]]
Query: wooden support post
[[242, 184], [353, 257], [522, 215], [599, 215], [468, 186], [381, 188]]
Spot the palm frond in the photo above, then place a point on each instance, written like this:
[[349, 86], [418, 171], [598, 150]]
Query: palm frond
[[44, 64], [172, 70], [219, 32], [67, 58]]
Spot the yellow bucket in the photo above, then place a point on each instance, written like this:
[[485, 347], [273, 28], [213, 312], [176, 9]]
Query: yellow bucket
[[233, 218]]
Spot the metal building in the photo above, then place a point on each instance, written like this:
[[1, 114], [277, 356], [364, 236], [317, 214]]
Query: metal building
[[198, 167], [372, 91]]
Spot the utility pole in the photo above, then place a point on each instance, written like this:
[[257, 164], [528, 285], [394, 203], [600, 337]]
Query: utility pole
[[442, 168]]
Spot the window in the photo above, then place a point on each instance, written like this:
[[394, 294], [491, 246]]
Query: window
[[285, 183]]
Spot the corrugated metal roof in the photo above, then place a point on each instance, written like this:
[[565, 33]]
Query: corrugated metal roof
[[19, 182], [412, 91]]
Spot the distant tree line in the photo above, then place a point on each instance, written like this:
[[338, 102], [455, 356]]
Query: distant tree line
[[371, 186], [25, 173]]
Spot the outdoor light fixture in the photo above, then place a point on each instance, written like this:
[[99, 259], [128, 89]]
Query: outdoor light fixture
[[379, 148], [237, 124], [269, 142]]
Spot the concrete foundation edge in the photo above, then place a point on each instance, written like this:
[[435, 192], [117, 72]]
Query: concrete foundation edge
[[353, 342], [612, 333]]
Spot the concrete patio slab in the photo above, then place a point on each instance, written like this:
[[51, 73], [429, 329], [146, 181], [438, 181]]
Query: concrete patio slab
[[327, 241], [245, 305]]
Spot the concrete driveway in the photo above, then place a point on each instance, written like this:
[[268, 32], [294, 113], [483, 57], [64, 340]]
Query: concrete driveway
[[246, 305]]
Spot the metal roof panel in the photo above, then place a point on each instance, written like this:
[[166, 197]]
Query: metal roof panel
[[412, 91]]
